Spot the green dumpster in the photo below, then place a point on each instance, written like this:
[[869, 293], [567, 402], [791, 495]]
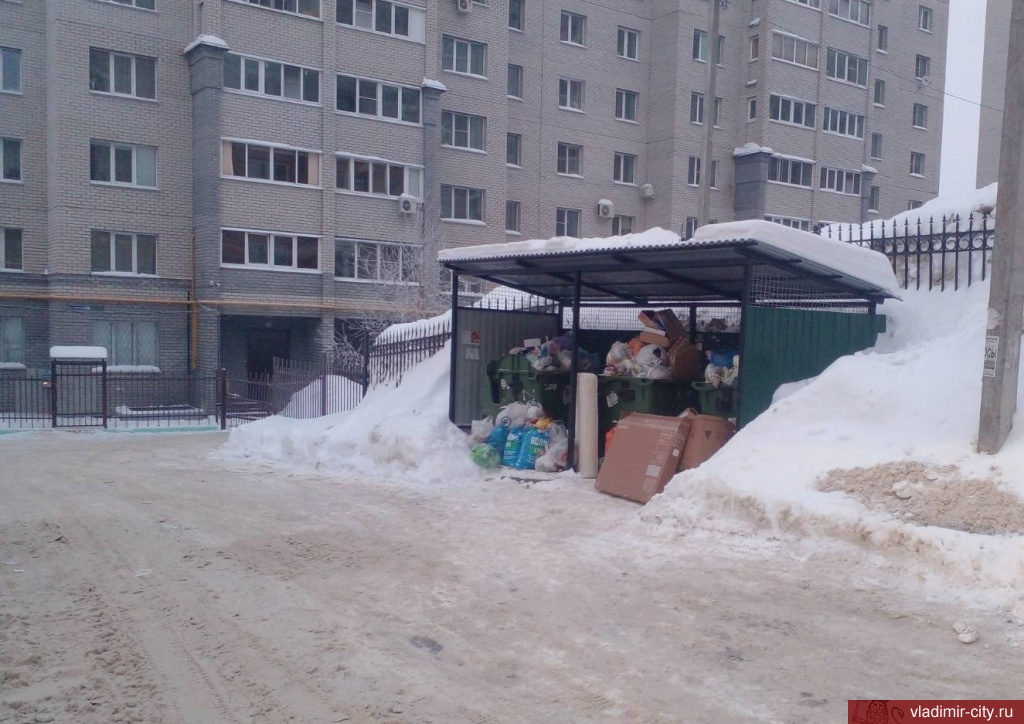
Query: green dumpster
[[513, 379], [619, 396], [722, 401]]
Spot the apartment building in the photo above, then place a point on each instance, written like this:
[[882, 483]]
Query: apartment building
[[206, 183], [993, 89]]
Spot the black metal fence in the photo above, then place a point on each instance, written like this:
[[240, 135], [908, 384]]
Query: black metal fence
[[949, 252], [401, 347]]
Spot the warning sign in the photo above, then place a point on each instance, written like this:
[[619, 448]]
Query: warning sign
[[991, 354]]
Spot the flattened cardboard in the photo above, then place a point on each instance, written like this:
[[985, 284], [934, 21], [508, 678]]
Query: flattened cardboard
[[684, 361], [708, 434], [668, 321], [644, 457], [648, 318], [654, 336]]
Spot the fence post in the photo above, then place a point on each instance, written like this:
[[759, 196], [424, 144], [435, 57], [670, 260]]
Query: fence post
[[53, 393], [222, 396], [103, 389], [366, 363], [323, 387]]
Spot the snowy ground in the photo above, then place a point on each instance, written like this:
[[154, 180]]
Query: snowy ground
[[143, 579]]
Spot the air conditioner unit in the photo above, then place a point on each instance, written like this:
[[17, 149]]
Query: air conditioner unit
[[924, 81], [463, 6], [407, 204], [605, 209], [647, 191]]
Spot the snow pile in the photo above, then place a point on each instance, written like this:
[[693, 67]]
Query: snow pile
[[395, 432], [342, 394], [913, 399]]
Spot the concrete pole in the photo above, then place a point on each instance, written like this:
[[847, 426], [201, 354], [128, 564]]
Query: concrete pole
[[710, 83], [1006, 296]]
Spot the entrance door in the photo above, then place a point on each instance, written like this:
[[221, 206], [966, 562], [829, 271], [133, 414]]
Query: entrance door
[[262, 346]]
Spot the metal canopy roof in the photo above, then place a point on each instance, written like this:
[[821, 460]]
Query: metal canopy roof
[[690, 271]]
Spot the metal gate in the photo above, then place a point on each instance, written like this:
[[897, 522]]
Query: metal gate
[[78, 393]]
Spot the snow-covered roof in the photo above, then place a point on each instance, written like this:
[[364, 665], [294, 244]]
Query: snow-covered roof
[[77, 352], [207, 39], [750, 148], [435, 84]]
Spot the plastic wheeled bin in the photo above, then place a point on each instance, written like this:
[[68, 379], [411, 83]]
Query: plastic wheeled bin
[[619, 396], [513, 379], [722, 401]]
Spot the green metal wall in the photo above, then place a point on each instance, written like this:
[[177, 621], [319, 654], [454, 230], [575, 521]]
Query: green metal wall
[[786, 345]]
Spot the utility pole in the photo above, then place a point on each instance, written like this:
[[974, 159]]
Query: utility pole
[[710, 82], [1006, 296]]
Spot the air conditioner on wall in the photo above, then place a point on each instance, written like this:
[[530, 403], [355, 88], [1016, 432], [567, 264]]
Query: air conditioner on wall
[[605, 209], [407, 204], [463, 6], [647, 191]]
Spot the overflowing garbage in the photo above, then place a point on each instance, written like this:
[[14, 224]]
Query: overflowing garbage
[[523, 437]]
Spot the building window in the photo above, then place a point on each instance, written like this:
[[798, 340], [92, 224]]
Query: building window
[[377, 177], [570, 94], [697, 109], [882, 43], [879, 98], [625, 104], [573, 28], [924, 18], [922, 67], [512, 211], [376, 99], [844, 123], [458, 202], [10, 70], [808, 3], [127, 343], [622, 225], [463, 56], [515, 81], [513, 149], [700, 45], [624, 168], [791, 222], [794, 50], [10, 251], [382, 16], [689, 227], [570, 159], [840, 181], [628, 45], [265, 162], [713, 180], [790, 110], [12, 340], [462, 130], [914, 204], [920, 115], [272, 79], [751, 109], [859, 11], [376, 261], [874, 198], [141, 4], [515, 14], [876, 145], [269, 250], [123, 253], [308, 8], [567, 222], [122, 164], [693, 171], [792, 171], [916, 163], [846, 67], [122, 74], [10, 159], [755, 47]]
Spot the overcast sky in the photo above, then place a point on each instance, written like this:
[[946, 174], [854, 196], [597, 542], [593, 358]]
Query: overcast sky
[[963, 78]]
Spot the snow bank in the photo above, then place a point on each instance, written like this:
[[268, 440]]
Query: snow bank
[[395, 432], [341, 394]]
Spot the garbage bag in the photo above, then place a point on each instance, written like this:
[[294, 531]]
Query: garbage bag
[[480, 430]]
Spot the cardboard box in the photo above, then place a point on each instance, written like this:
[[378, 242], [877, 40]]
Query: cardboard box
[[708, 434], [651, 335], [668, 321], [644, 456], [685, 361]]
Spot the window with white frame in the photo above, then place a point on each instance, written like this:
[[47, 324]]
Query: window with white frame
[[570, 159], [11, 250], [622, 225], [377, 177], [567, 222], [790, 221], [463, 56], [879, 96], [512, 213], [123, 253], [271, 79], [697, 109], [846, 67], [626, 104], [840, 180], [141, 4], [127, 343], [376, 261], [12, 340], [515, 81], [123, 164], [922, 67], [308, 8], [382, 16], [882, 39], [516, 14], [269, 250], [573, 28], [10, 159], [844, 123], [751, 108], [792, 171], [514, 149], [699, 49], [10, 70], [920, 115], [122, 74], [693, 170], [570, 94], [624, 168], [378, 99], [876, 145], [690, 227], [791, 110], [916, 163], [924, 18], [463, 130], [858, 11], [713, 179], [808, 3], [874, 198], [267, 162], [628, 44], [796, 50], [914, 204], [461, 203]]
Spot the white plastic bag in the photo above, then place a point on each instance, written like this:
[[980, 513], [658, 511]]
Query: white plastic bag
[[513, 415], [480, 430]]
